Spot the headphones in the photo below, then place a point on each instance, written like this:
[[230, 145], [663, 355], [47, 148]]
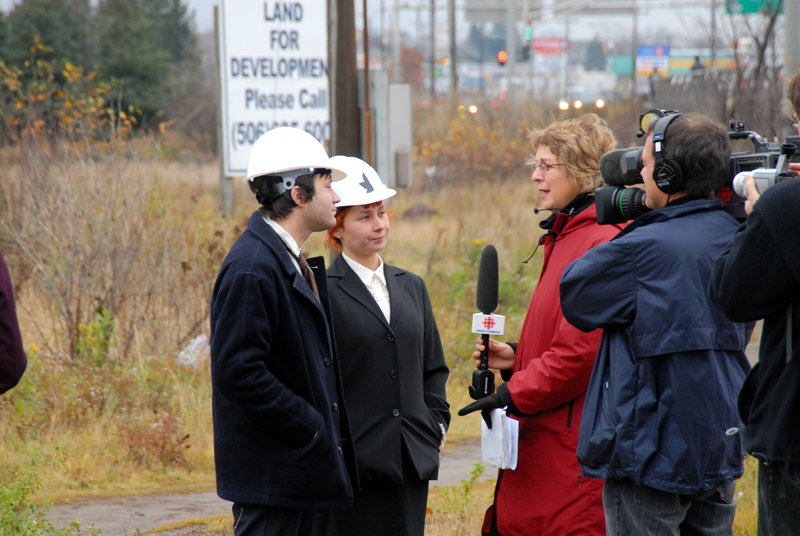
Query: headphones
[[667, 173]]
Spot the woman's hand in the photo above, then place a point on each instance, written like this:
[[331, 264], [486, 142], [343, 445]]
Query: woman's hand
[[501, 355]]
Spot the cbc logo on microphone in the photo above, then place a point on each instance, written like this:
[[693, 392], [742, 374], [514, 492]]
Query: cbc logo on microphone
[[488, 324]]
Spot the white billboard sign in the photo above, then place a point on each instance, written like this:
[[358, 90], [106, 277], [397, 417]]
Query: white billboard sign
[[274, 72]]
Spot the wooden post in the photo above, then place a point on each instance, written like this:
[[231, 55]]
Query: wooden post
[[343, 80], [367, 112]]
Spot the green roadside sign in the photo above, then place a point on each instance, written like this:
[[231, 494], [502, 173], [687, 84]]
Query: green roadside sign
[[751, 7]]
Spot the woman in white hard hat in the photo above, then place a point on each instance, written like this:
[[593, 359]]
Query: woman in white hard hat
[[392, 364]]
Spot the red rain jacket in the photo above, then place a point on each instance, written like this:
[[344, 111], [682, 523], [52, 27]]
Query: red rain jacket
[[544, 495]]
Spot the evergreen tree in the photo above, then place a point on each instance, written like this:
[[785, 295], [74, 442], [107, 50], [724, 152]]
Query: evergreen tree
[[148, 47], [3, 35], [143, 42], [62, 25]]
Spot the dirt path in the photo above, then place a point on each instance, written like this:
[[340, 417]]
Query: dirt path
[[123, 515]]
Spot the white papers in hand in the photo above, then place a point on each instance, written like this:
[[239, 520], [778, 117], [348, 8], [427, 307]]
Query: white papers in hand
[[499, 444]]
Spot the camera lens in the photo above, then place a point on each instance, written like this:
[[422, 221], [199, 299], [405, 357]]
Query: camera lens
[[631, 203], [618, 205]]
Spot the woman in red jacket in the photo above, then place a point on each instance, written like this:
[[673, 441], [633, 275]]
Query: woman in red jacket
[[548, 370]]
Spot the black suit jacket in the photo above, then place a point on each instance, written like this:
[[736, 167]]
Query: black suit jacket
[[393, 374]]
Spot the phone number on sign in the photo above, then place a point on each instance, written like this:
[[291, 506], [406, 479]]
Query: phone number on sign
[[247, 132]]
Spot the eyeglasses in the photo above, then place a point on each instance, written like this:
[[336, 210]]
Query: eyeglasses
[[544, 167]]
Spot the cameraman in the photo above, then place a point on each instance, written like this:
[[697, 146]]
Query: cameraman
[[758, 276], [660, 421]]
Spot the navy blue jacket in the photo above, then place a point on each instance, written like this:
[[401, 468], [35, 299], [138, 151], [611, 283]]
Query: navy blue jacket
[[276, 381], [661, 404]]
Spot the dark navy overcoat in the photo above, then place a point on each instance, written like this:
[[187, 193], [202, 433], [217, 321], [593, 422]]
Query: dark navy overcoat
[[276, 381]]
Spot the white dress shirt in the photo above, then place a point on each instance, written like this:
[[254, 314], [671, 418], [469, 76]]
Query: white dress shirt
[[287, 239], [375, 283]]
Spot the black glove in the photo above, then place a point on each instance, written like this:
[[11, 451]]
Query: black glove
[[499, 399]]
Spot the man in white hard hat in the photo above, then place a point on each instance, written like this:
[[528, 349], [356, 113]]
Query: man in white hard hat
[[282, 443]]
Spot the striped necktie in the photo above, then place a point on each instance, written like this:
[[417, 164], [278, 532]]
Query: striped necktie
[[305, 269]]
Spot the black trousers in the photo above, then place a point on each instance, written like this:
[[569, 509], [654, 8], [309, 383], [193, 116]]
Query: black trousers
[[263, 520], [384, 509], [778, 499]]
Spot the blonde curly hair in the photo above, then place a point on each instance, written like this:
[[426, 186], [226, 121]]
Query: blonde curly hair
[[579, 143]]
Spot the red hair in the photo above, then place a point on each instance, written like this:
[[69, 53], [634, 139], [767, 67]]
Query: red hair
[[331, 240]]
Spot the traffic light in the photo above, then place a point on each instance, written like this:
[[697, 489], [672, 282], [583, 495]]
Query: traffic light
[[528, 32], [502, 57]]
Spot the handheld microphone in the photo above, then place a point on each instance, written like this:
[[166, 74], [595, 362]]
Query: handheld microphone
[[621, 167], [488, 281], [485, 322]]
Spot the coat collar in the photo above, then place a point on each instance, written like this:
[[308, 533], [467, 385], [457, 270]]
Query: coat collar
[[673, 211], [352, 285], [578, 213], [270, 238]]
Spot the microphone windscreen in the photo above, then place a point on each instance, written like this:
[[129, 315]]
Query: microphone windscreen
[[621, 167], [488, 281]]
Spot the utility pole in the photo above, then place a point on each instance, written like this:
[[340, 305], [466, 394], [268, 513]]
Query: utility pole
[[791, 45], [418, 31], [345, 124], [565, 72], [433, 52], [451, 23], [634, 41], [396, 43], [480, 65], [713, 34], [367, 110], [511, 46], [526, 22]]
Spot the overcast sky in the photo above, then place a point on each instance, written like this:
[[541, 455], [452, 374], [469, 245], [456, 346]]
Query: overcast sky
[[680, 23]]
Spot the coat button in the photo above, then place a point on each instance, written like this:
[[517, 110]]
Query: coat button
[[335, 407], [390, 338], [326, 362], [396, 412], [340, 451], [393, 374]]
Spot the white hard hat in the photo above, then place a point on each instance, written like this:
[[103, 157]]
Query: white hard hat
[[288, 149], [361, 186]]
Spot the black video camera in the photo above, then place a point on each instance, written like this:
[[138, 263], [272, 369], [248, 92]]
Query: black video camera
[[622, 167]]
